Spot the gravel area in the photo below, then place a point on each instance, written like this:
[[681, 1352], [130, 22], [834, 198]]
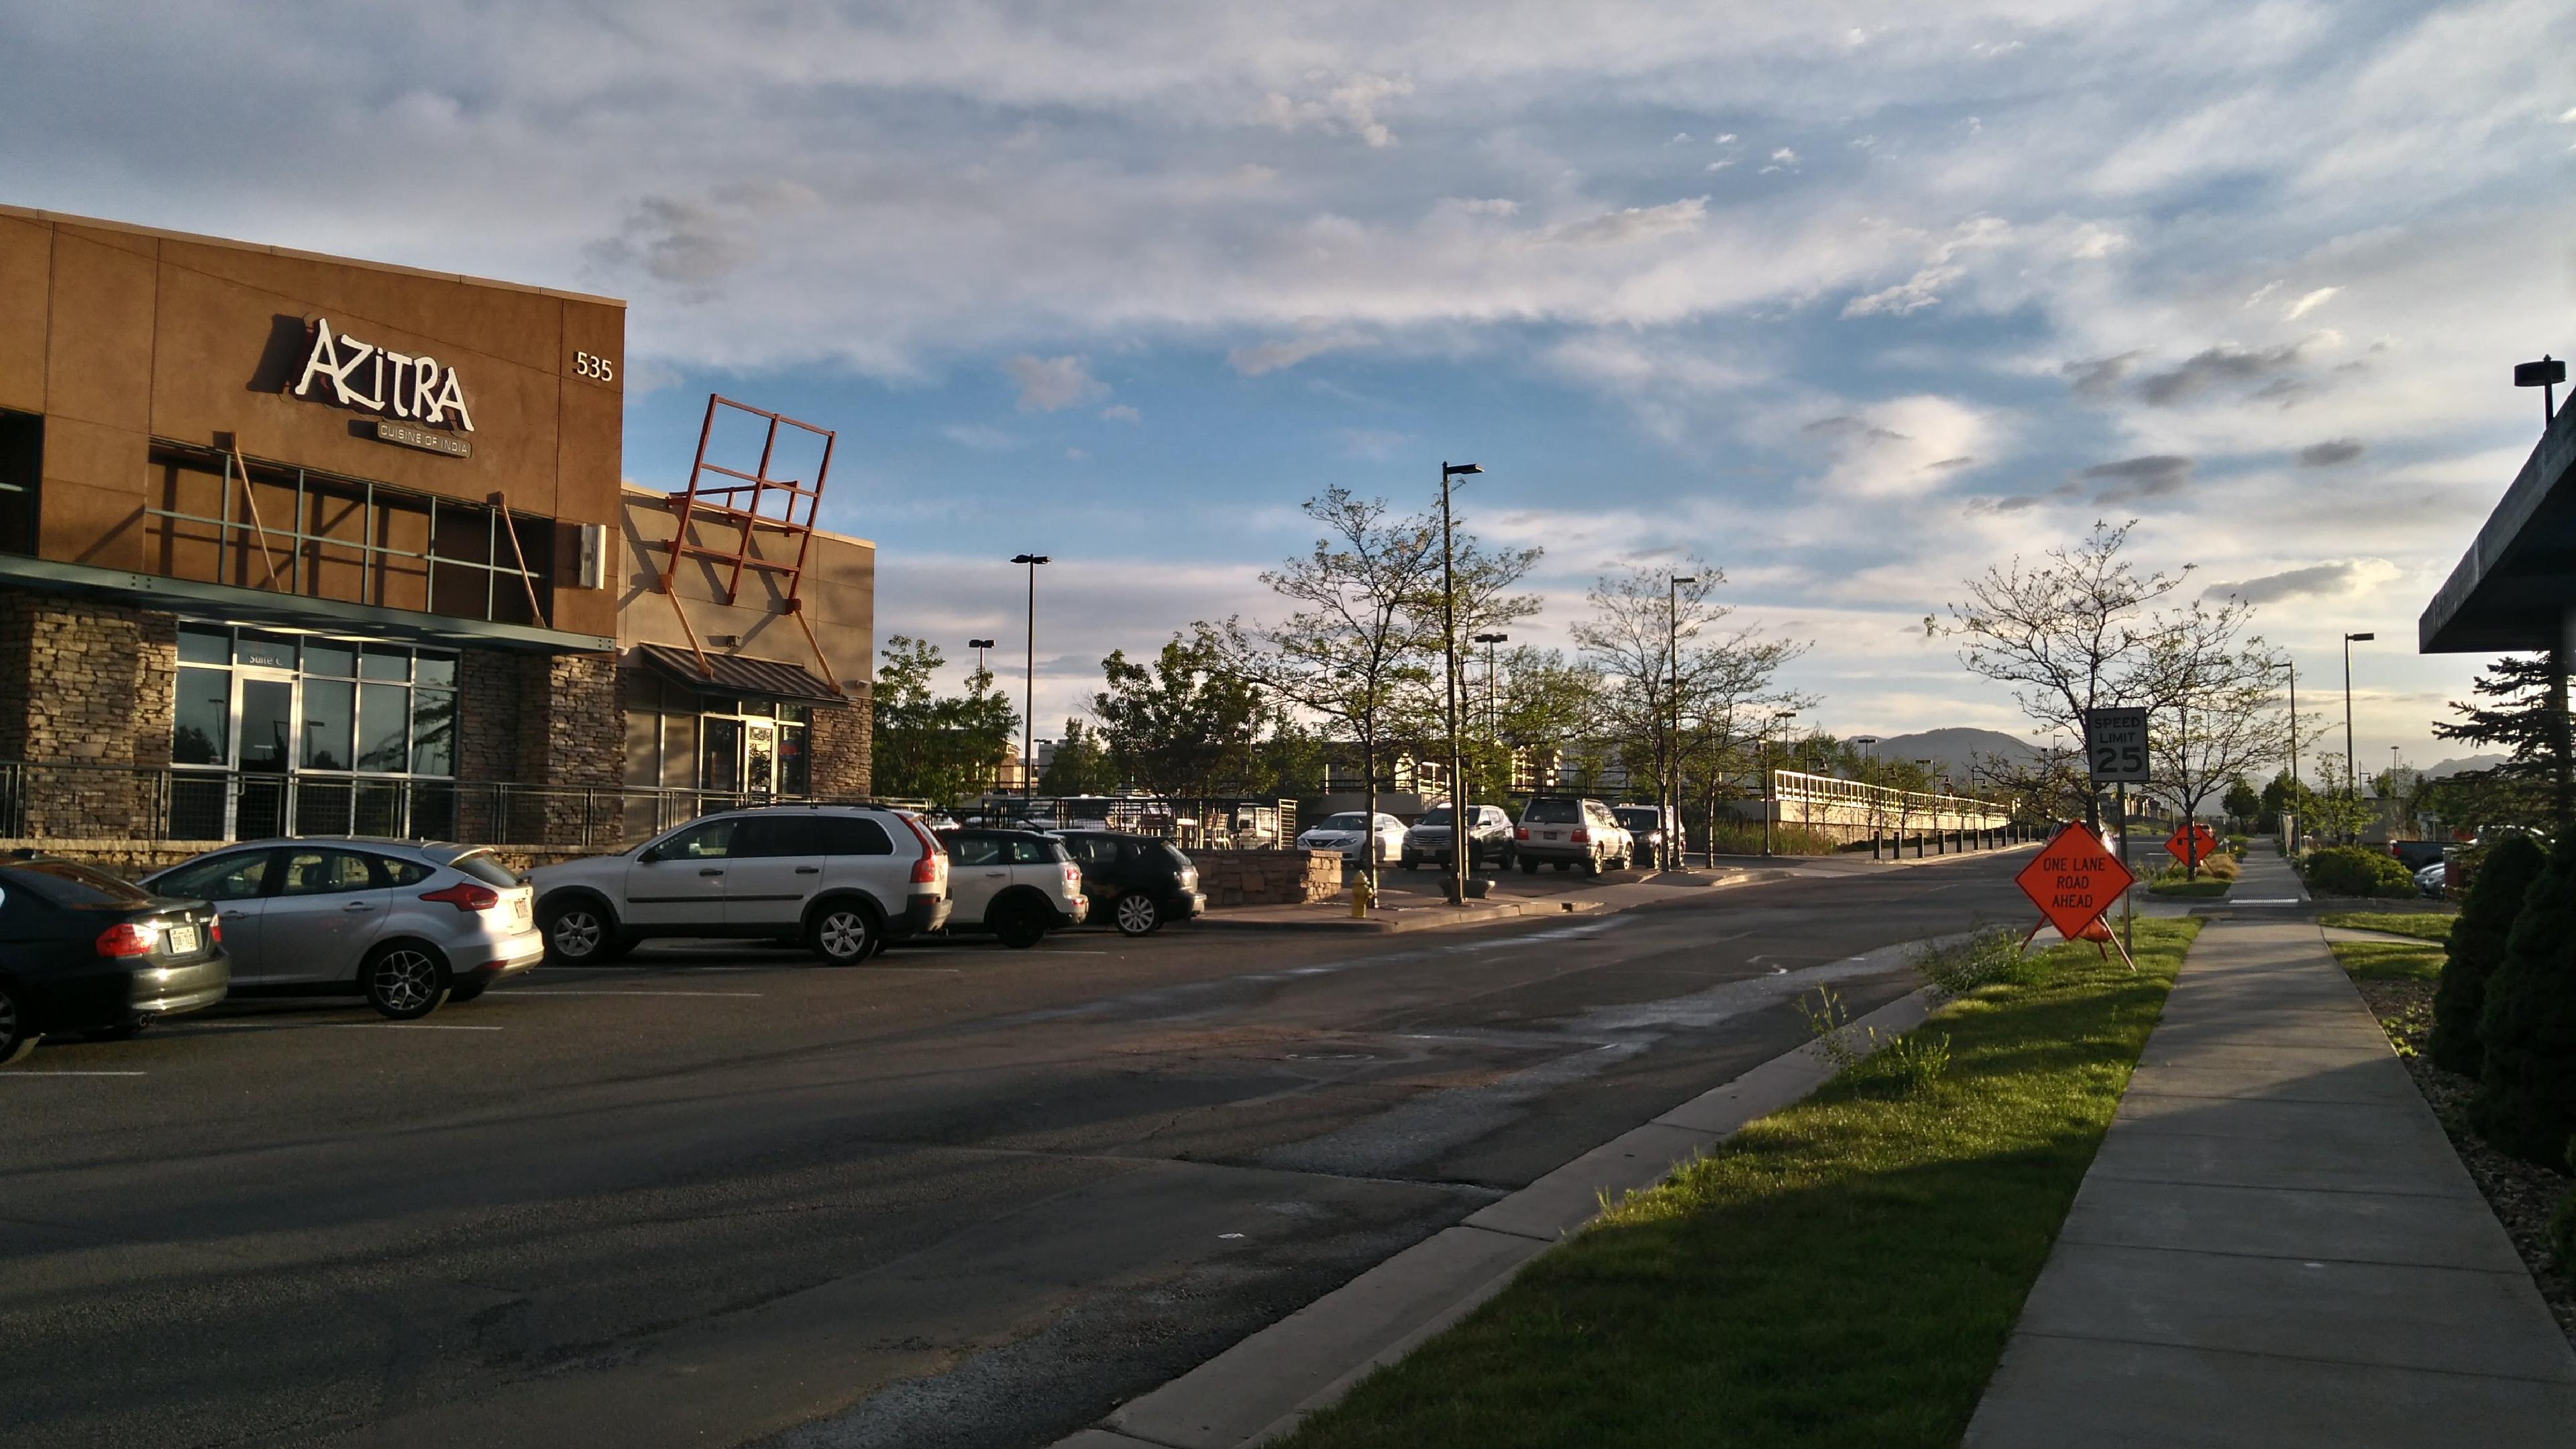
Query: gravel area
[[2521, 1194]]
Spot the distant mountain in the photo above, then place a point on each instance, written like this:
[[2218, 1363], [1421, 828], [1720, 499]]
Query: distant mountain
[[1951, 749], [2473, 762]]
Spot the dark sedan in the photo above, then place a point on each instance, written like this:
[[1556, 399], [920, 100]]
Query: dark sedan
[[82, 951]]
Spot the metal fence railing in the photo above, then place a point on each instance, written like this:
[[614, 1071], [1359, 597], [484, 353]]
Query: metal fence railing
[[1826, 800], [91, 800], [1201, 823]]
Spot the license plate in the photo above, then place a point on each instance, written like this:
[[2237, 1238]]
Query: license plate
[[1552, 835], [519, 909], [183, 940]]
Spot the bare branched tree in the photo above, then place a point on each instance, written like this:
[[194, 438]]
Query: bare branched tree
[[2213, 696]]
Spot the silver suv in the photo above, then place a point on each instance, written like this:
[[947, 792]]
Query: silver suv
[[1017, 884], [409, 924], [843, 879], [1566, 831]]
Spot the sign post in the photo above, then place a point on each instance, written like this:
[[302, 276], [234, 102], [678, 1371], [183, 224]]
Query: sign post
[[2115, 753], [2073, 881]]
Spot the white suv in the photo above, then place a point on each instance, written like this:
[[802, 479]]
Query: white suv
[[1017, 884], [843, 879]]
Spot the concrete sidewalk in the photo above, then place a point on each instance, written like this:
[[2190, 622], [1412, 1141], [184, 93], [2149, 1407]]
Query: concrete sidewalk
[[2276, 1244]]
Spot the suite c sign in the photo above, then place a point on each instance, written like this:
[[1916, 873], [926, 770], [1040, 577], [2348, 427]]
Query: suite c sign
[[380, 380]]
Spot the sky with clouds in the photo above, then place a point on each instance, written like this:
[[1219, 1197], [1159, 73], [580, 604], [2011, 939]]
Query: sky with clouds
[[1849, 299]]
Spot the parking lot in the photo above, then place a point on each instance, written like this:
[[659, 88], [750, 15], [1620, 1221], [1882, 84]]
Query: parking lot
[[961, 1194]]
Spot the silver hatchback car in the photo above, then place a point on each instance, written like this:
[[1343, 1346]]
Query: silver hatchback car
[[408, 924]]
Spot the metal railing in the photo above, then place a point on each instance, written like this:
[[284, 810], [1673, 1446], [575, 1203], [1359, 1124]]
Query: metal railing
[[93, 800], [1827, 800]]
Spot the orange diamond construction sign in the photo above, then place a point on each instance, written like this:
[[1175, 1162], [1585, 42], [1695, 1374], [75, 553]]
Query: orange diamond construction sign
[[2075, 879], [2191, 843]]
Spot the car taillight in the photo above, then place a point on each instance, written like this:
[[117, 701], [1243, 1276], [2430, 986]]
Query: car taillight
[[215, 929], [466, 896], [1581, 837], [1073, 875], [934, 861], [128, 938], [925, 871], [1520, 832]]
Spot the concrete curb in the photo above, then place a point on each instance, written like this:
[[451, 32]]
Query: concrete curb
[[1263, 1387], [1432, 918]]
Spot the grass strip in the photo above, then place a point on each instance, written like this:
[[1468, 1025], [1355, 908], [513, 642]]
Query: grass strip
[[2389, 960], [2423, 925], [1844, 1272], [2203, 889]]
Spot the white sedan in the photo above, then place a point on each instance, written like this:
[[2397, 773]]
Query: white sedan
[[1348, 833]]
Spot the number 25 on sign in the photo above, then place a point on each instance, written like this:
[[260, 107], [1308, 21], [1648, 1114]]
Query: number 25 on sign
[[2074, 879]]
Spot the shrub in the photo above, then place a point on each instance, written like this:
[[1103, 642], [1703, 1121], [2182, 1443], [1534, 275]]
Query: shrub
[[2526, 1098], [2477, 949], [1989, 957], [2351, 870]]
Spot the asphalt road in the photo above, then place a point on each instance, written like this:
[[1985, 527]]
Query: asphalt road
[[960, 1196]]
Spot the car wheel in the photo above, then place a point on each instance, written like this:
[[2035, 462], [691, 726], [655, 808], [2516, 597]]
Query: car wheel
[[404, 982], [1020, 927], [122, 1031], [582, 933], [1529, 867], [843, 934], [1137, 915], [1591, 866], [467, 990], [1411, 861], [16, 1040]]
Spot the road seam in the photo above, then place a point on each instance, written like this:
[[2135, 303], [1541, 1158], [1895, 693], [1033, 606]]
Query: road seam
[[1424, 1290]]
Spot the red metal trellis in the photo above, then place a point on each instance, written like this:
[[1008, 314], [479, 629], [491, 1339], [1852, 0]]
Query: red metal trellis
[[721, 506]]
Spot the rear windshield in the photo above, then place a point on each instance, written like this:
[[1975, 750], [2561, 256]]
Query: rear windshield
[[1173, 853], [1353, 821], [1636, 815], [66, 883], [1553, 812], [485, 867], [1436, 815]]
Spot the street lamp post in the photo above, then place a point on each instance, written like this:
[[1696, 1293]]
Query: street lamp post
[[1770, 797], [1461, 841], [1670, 800], [979, 646], [1493, 718], [2351, 771], [1029, 700]]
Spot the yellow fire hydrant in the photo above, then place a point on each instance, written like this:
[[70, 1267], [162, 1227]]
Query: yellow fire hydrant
[[1363, 895]]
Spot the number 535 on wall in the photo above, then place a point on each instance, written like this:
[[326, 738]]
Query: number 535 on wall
[[594, 366], [2115, 745]]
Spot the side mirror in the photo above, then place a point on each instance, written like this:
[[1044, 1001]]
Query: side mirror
[[648, 855]]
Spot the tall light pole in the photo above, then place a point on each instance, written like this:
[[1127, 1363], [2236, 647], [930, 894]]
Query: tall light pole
[[1461, 840], [1029, 701], [1669, 804], [1493, 720], [2291, 797], [2351, 772], [979, 646], [1770, 798]]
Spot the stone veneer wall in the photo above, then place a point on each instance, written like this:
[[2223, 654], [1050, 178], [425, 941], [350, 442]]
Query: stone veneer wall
[[843, 747], [92, 684], [1268, 877]]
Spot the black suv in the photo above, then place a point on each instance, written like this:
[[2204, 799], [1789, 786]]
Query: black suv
[[83, 951], [1134, 882]]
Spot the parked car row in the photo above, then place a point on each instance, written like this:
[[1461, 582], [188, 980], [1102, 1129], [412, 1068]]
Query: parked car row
[[410, 925], [1565, 831]]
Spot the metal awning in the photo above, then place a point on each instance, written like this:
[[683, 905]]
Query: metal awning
[[230, 604], [734, 674], [2516, 586]]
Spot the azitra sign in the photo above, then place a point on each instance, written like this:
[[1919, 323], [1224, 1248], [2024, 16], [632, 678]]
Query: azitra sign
[[2075, 879], [380, 380]]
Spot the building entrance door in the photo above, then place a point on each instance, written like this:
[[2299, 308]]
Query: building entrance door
[[266, 735], [759, 757]]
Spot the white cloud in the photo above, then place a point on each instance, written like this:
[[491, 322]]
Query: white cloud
[[1052, 384], [1349, 107], [2307, 304], [1263, 357], [981, 438], [1634, 224], [1121, 413]]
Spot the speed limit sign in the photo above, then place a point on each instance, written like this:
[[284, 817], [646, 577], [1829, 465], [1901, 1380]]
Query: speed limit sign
[[2115, 745]]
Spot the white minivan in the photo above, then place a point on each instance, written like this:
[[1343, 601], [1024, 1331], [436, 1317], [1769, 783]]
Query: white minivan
[[843, 879]]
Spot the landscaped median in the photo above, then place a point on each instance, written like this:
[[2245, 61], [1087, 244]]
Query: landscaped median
[[1843, 1272]]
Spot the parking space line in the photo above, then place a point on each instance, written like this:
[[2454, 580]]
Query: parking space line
[[403, 1026], [4, 1076], [606, 991]]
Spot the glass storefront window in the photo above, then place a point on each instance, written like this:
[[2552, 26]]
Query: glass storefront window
[[338, 660], [268, 651], [205, 646], [384, 661], [201, 725], [433, 730], [384, 723], [330, 720], [722, 770], [436, 671], [795, 771]]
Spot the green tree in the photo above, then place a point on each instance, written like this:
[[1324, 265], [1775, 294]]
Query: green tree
[[2526, 1098], [943, 749], [1181, 725], [2242, 802], [2504, 873], [1080, 765], [2525, 711]]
